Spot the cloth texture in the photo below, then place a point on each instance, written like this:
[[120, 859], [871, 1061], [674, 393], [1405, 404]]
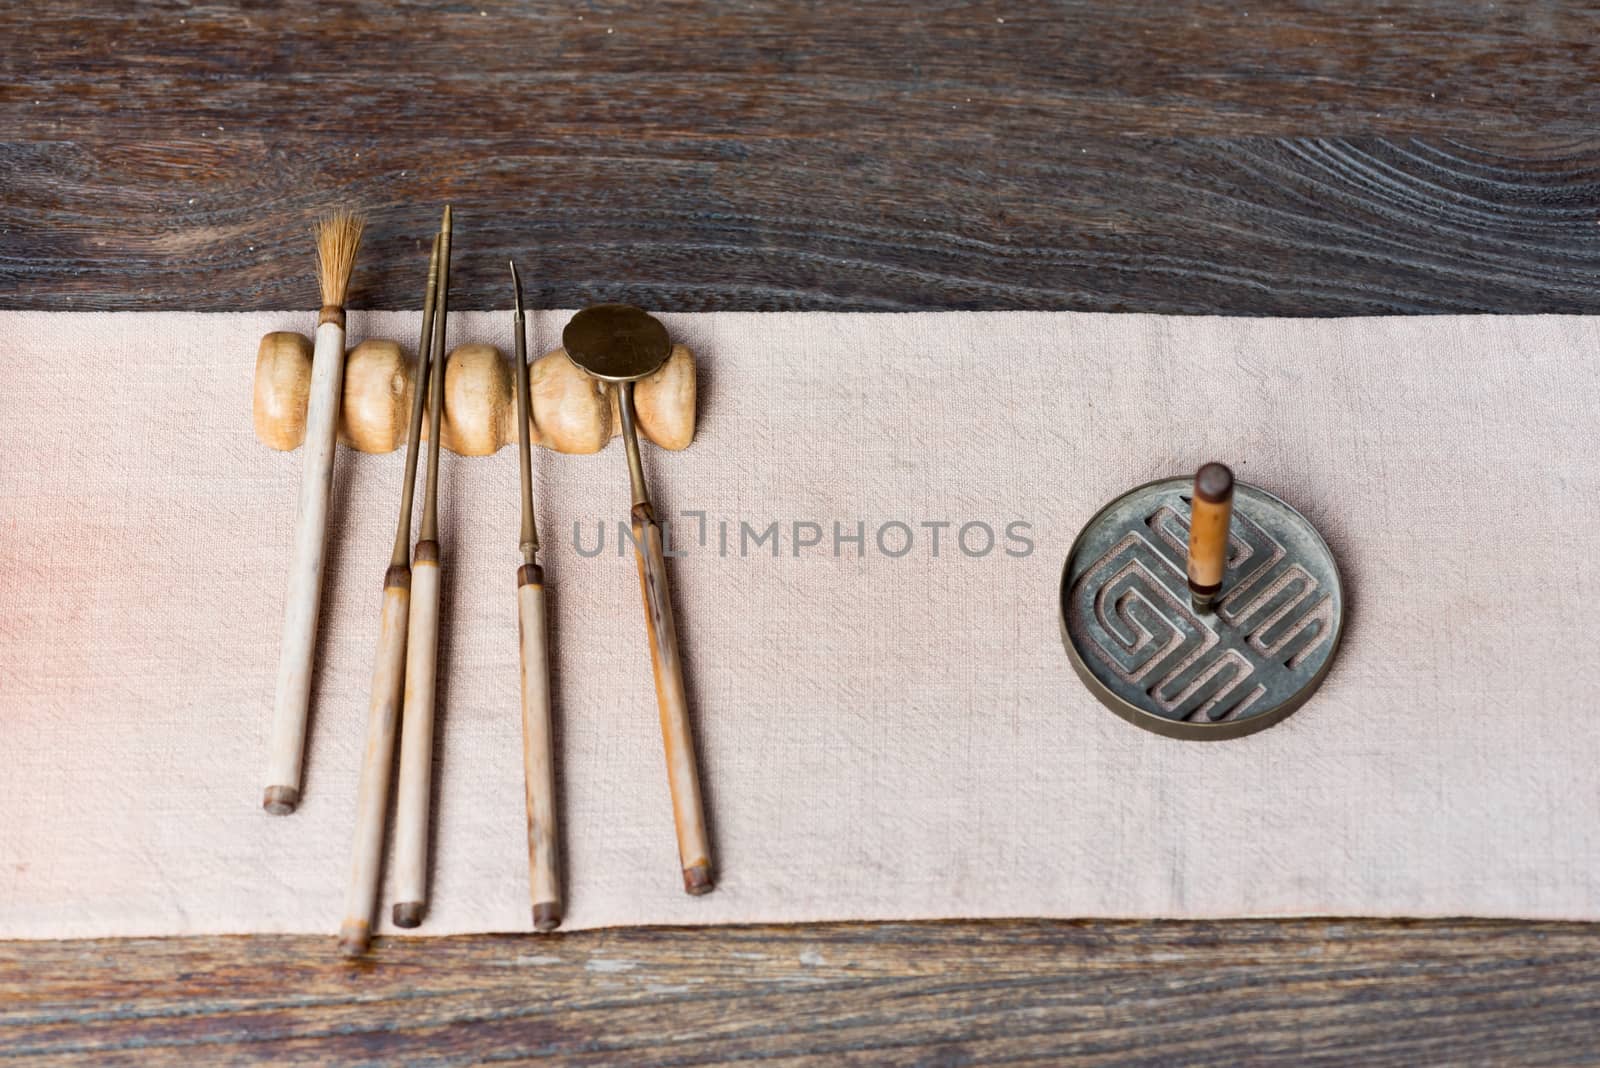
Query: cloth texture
[[881, 736]]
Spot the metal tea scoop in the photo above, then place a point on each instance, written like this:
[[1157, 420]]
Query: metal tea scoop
[[622, 344]]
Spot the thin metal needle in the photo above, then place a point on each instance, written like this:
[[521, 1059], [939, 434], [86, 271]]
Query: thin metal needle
[[530, 532], [402, 534], [430, 499], [422, 643]]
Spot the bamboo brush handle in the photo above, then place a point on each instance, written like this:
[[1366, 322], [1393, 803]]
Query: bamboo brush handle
[[571, 412], [538, 751], [416, 739], [303, 600], [683, 776], [372, 792]]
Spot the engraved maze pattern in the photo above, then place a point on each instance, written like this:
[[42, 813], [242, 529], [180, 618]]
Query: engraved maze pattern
[[1132, 605]]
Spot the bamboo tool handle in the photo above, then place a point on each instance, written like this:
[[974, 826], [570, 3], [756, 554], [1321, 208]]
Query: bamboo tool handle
[[372, 794], [538, 750], [572, 412], [304, 598], [416, 740], [683, 777]]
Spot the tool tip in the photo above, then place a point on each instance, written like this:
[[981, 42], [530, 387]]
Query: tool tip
[[516, 285], [408, 914], [547, 916], [1214, 483], [446, 226], [354, 938], [697, 879], [280, 800]]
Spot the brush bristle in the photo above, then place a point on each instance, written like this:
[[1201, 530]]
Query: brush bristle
[[338, 237]]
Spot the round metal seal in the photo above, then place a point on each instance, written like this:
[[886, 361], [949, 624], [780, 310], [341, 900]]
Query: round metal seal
[[1137, 642]]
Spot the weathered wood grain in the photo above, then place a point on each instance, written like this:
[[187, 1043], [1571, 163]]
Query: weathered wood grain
[[1324, 159], [420, 69], [1302, 993], [1311, 226]]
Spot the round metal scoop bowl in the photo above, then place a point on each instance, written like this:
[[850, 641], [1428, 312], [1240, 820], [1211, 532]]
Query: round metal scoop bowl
[[616, 342]]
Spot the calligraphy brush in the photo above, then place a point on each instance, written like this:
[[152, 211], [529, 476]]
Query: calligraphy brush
[[416, 733], [338, 237], [538, 752], [372, 793]]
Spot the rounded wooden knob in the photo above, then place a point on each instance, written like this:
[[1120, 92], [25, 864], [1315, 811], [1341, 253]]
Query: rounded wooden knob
[[571, 412], [480, 408], [376, 409], [283, 382]]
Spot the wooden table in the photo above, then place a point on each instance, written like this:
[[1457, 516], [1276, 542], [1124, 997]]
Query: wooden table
[[1332, 159]]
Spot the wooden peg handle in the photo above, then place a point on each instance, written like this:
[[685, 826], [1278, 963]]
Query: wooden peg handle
[[372, 789], [571, 412], [538, 751], [412, 795], [1210, 516]]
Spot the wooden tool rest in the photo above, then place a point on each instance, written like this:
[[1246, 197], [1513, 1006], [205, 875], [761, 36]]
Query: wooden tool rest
[[571, 412]]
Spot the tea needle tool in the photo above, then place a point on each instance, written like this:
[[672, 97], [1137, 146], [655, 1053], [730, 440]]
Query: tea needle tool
[[422, 646], [372, 791], [538, 749]]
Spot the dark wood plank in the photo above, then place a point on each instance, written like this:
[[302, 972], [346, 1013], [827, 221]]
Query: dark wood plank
[[420, 69], [1325, 159], [1300, 993], [1259, 227]]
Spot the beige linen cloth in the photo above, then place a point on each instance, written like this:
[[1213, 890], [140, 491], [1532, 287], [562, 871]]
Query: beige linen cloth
[[881, 737]]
